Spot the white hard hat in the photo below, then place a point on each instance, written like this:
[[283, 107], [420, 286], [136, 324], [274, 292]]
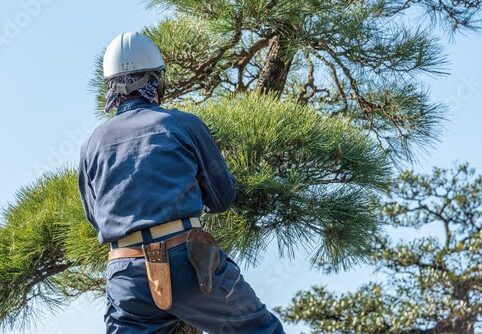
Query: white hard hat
[[131, 53]]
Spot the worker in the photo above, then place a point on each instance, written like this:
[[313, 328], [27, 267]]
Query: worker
[[145, 177]]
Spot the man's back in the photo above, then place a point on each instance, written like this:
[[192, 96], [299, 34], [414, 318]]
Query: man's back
[[149, 165]]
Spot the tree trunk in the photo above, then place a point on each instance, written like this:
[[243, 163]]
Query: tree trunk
[[276, 67]]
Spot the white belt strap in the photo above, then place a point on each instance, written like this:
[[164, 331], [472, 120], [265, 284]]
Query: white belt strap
[[157, 231]]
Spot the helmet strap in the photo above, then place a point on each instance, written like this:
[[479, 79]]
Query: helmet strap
[[162, 86]]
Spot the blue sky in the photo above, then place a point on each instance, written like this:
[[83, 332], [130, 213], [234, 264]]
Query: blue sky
[[47, 52]]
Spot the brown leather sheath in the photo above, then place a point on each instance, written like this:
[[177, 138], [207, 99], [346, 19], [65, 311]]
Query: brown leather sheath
[[203, 253], [157, 266], [159, 274]]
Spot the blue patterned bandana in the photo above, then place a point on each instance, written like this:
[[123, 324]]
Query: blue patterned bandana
[[114, 98]]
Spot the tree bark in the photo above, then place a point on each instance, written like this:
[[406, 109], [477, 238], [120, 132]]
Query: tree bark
[[276, 67], [185, 328]]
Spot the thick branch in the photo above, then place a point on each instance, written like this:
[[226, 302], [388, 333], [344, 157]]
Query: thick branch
[[276, 67]]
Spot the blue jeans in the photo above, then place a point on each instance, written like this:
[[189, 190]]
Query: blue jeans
[[232, 306]]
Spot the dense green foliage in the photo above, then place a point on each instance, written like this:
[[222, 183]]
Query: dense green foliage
[[303, 178], [434, 283], [45, 234], [344, 100]]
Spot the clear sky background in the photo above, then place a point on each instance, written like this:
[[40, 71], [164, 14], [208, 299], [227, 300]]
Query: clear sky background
[[47, 52]]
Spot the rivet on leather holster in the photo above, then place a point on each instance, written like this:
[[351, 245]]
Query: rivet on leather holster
[[158, 274], [203, 253]]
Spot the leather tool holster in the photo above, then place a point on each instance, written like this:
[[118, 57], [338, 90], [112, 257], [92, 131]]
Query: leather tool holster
[[158, 274], [203, 253]]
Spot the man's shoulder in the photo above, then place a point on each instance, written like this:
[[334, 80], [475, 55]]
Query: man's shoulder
[[87, 143], [185, 117], [189, 120], [127, 124]]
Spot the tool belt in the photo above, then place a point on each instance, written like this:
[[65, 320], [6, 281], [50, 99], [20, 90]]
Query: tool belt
[[203, 253]]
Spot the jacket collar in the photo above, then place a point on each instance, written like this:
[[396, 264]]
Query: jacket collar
[[132, 104]]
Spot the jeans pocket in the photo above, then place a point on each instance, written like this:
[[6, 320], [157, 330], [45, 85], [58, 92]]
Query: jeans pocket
[[116, 266], [227, 275]]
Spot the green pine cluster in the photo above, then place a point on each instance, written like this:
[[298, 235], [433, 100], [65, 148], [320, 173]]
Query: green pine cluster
[[304, 179], [45, 238], [434, 284]]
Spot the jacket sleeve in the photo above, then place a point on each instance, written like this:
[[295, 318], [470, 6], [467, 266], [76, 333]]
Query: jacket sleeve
[[217, 184], [85, 190]]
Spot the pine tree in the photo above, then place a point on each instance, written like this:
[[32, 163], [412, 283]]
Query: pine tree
[[435, 284], [313, 103]]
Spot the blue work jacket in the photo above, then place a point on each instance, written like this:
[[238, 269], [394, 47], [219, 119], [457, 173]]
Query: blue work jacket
[[149, 165]]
